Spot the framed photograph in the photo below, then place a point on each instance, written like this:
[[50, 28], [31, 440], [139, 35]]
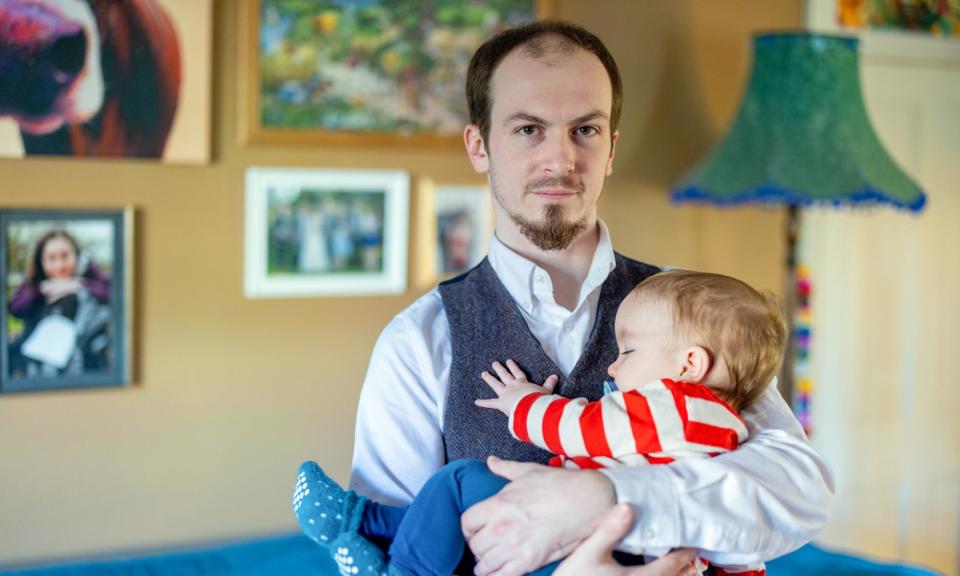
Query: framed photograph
[[128, 79], [456, 222], [893, 31], [464, 220], [937, 18], [364, 71], [315, 232], [65, 304]]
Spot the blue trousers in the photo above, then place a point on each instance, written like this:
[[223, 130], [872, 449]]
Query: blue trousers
[[425, 536]]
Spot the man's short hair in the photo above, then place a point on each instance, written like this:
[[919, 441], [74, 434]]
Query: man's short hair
[[729, 319], [486, 59]]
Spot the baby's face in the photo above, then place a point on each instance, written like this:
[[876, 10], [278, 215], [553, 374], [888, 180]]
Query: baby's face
[[648, 344]]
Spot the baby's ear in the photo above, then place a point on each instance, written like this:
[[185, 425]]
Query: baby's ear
[[695, 365]]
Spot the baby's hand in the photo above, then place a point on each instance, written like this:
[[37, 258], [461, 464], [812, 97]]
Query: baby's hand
[[511, 384]]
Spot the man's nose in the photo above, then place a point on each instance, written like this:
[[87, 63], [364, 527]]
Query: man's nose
[[559, 155]]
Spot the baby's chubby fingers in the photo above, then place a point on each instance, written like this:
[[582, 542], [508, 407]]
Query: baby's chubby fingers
[[493, 382], [551, 383], [515, 370], [488, 403], [505, 376]]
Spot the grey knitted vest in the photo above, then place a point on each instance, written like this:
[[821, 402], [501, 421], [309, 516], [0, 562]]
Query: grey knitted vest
[[485, 325]]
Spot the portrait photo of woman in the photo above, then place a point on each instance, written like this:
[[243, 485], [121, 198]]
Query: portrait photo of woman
[[63, 302]]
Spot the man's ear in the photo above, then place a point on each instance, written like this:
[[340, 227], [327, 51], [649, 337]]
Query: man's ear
[[695, 365], [613, 149], [476, 149]]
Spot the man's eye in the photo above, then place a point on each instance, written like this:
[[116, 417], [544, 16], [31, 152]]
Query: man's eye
[[587, 130], [528, 130]]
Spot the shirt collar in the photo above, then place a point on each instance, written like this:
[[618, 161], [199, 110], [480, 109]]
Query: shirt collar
[[603, 263], [517, 273]]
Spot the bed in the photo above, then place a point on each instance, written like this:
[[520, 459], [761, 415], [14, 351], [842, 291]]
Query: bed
[[295, 555]]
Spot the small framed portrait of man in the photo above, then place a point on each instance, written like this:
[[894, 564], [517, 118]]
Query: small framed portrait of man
[[464, 221], [65, 304]]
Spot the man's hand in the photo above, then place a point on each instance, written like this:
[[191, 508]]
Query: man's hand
[[510, 385], [539, 517], [595, 555]]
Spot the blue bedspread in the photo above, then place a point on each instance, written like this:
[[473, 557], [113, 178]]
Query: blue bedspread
[[296, 556], [279, 556]]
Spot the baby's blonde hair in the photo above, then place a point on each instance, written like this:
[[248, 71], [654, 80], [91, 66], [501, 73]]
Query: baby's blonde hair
[[730, 320]]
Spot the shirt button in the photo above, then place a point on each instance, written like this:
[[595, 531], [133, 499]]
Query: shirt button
[[649, 533]]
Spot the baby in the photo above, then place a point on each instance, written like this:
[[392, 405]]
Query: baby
[[695, 349]]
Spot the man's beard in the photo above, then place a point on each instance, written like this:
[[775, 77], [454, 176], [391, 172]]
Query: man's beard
[[553, 232]]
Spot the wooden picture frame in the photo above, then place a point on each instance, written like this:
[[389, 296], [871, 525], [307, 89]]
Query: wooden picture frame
[[455, 223], [66, 303], [317, 232], [372, 93]]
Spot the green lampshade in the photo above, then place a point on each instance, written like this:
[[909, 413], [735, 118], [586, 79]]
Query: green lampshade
[[802, 135]]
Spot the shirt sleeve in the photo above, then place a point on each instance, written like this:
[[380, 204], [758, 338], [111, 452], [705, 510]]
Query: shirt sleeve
[[763, 500], [399, 442], [26, 302]]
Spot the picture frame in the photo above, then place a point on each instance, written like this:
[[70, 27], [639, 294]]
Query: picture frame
[[883, 45], [456, 221], [325, 232], [916, 16], [355, 72], [66, 303], [144, 90], [463, 223]]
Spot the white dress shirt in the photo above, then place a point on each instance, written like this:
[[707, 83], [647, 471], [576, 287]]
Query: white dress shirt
[[760, 501]]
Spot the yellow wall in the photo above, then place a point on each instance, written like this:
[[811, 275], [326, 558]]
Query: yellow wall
[[231, 394]]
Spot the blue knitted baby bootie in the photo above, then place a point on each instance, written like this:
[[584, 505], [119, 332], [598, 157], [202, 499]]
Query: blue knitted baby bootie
[[324, 509], [357, 556]]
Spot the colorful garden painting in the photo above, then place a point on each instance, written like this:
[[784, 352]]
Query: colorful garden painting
[[373, 66], [938, 17]]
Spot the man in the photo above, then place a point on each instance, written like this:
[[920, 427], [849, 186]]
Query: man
[[544, 103]]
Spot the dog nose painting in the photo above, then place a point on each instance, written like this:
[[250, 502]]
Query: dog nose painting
[[105, 78]]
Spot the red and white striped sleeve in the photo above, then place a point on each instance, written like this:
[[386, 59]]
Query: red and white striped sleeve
[[661, 421]]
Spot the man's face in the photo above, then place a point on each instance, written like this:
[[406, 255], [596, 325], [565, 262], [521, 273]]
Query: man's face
[[550, 147]]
